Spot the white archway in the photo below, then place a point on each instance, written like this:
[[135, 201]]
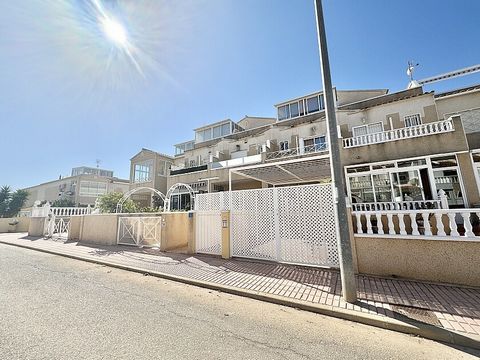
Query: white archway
[[133, 191], [175, 187]]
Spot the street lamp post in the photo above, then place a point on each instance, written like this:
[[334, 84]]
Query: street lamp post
[[343, 234]]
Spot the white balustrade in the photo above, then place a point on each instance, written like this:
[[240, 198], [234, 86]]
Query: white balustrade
[[398, 205], [433, 128], [431, 224], [47, 209], [307, 149]]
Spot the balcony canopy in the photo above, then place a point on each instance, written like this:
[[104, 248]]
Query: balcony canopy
[[286, 172]]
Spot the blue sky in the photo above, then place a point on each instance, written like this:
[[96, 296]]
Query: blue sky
[[66, 101]]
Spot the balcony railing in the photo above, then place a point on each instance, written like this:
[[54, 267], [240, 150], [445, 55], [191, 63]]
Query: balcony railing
[[398, 205], [186, 170], [432, 128], [305, 150], [452, 224], [246, 160]]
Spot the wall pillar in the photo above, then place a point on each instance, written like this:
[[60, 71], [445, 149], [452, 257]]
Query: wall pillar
[[226, 251], [467, 171], [36, 226]]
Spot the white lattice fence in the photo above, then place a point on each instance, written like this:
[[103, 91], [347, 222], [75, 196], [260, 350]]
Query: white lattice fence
[[293, 224], [209, 222], [253, 224], [306, 221]]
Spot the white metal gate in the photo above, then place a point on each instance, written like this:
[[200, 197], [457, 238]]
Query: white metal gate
[[294, 224], [57, 226], [209, 222], [139, 231]]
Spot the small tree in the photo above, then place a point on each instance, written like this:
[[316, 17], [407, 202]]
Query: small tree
[[108, 203], [63, 203], [11, 202]]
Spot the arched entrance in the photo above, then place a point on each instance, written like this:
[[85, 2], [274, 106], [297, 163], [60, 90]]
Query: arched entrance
[[176, 188], [133, 191]]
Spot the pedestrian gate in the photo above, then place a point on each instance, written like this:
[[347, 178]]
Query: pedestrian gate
[[139, 231], [57, 226], [294, 224]]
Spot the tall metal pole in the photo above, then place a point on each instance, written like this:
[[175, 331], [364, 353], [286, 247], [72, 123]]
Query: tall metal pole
[[343, 234]]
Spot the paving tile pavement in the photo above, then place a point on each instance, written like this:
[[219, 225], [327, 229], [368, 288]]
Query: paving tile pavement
[[451, 307]]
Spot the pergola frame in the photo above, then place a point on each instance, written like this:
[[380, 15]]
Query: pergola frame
[[302, 170]]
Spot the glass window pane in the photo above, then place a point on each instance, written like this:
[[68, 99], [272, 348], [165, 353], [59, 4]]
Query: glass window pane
[[207, 134], [375, 128], [312, 104], [320, 143], [217, 131], [382, 186], [282, 112], [322, 102], [447, 180], [294, 109], [407, 186], [359, 130], [226, 129], [445, 161], [361, 189]]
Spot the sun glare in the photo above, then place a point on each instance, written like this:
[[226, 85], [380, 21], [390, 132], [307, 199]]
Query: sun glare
[[114, 31]]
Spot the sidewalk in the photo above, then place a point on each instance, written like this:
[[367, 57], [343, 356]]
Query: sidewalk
[[440, 312]]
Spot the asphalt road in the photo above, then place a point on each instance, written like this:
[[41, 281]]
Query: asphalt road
[[57, 308]]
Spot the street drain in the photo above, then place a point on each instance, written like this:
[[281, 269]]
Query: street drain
[[421, 315]]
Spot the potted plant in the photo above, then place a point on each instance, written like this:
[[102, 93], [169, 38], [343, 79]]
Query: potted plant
[[12, 226]]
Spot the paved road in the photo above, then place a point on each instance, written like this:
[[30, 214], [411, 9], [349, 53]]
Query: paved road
[[57, 308]]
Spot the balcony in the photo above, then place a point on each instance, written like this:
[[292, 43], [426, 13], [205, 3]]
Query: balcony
[[245, 160], [300, 151], [185, 170], [433, 128]]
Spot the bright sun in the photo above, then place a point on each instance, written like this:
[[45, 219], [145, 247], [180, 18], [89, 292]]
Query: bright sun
[[114, 31]]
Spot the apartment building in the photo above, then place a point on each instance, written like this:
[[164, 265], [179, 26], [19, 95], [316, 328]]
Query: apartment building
[[395, 147], [409, 145], [148, 169], [82, 188]]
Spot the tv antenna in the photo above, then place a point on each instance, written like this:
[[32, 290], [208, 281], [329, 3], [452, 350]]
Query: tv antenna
[[410, 69]]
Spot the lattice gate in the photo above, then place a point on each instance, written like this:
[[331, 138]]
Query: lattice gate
[[139, 231], [209, 222], [293, 224], [57, 226]]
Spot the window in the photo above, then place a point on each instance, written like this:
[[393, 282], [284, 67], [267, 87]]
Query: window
[[412, 120], [283, 145], [192, 163], [283, 112], [217, 131], [361, 189], [407, 186], [143, 171], [92, 188], [367, 129], [312, 104], [300, 107], [294, 109], [315, 144]]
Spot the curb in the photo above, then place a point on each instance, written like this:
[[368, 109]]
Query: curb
[[412, 327]]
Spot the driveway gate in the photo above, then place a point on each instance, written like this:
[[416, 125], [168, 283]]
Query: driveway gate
[[294, 224], [139, 231]]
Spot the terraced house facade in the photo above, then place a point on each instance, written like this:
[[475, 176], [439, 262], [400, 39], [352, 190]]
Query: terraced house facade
[[397, 148]]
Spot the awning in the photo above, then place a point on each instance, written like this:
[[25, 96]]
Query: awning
[[284, 172]]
